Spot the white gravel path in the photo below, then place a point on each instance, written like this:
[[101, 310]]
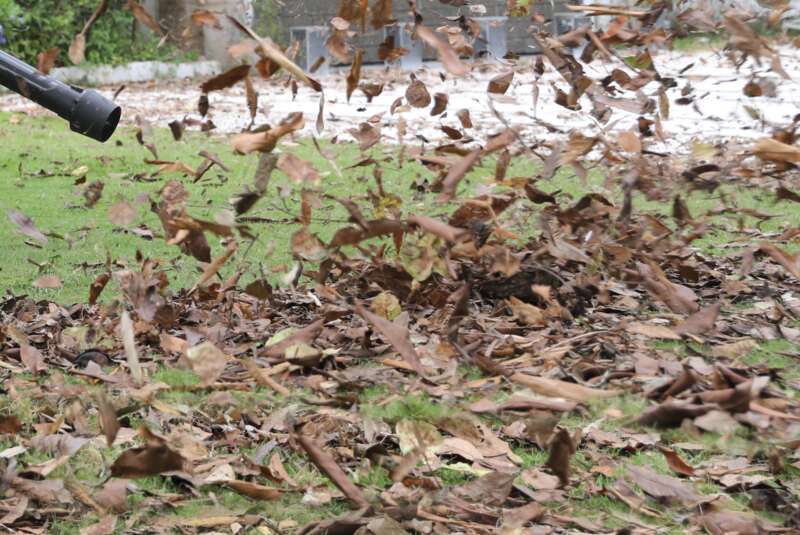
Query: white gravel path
[[719, 111]]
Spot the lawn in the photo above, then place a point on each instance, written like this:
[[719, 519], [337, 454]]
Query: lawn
[[45, 172]]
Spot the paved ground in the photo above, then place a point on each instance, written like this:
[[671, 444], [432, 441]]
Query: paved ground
[[719, 109]]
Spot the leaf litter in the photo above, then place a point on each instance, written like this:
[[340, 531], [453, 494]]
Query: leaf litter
[[494, 364]]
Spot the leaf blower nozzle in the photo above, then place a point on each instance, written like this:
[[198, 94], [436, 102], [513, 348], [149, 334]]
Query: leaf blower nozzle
[[88, 112]]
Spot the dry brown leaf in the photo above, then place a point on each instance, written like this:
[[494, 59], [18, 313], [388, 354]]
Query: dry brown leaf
[[447, 55], [203, 17], [46, 60], [152, 459], [108, 418], [268, 140], [269, 50], [772, 150], [417, 94], [499, 84], [297, 169], [143, 16], [207, 361], [32, 358], [48, 282], [227, 79], [395, 335], [354, 76], [254, 490], [327, 464], [675, 462], [561, 389]]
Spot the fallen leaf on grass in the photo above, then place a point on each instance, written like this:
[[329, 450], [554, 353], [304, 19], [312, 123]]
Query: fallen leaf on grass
[[32, 358], [652, 331], [48, 282], [663, 487], [254, 490], [561, 389], [700, 322], [396, 335], [675, 462], [207, 361], [327, 464]]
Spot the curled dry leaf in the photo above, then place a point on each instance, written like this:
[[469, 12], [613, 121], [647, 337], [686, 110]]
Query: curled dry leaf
[[267, 141], [225, 80], [417, 94], [772, 150], [562, 448], [354, 76], [499, 84], [440, 104]]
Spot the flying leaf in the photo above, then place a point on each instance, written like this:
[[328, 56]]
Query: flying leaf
[[46, 60], [447, 55], [225, 80], [143, 16], [354, 76], [417, 94], [269, 50], [499, 84], [26, 226]]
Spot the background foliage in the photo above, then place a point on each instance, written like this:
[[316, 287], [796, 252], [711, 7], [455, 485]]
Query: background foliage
[[32, 26]]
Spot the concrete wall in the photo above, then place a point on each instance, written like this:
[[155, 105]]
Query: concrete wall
[[276, 18], [320, 12]]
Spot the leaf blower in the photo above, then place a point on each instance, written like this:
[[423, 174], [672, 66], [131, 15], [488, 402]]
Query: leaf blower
[[88, 112]]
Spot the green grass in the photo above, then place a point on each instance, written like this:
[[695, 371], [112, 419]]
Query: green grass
[[56, 206]]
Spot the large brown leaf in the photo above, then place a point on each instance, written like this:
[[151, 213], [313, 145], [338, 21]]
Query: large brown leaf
[[395, 335], [225, 80]]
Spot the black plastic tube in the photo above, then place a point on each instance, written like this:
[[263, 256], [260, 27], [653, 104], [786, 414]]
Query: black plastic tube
[[88, 112]]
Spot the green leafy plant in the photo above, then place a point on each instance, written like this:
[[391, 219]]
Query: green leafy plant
[[32, 26]]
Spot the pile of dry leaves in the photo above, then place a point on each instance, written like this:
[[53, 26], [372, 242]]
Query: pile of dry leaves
[[560, 304]]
